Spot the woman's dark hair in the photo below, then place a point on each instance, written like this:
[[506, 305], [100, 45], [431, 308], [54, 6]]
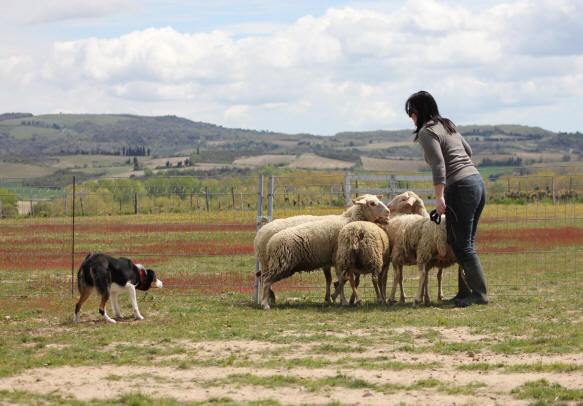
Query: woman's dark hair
[[425, 108]]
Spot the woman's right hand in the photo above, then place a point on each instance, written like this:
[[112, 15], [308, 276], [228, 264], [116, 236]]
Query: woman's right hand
[[440, 205]]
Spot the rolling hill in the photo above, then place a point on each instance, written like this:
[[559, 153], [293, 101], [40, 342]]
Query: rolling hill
[[42, 139]]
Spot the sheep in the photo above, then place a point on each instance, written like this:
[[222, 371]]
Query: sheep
[[312, 245], [363, 247], [418, 240], [268, 230]]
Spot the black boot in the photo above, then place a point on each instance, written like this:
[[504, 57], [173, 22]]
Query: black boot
[[462, 288], [477, 281]]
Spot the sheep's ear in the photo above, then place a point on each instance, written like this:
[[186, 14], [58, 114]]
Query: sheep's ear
[[380, 197], [411, 201], [360, 202]]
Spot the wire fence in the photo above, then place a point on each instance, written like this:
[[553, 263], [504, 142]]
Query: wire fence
[[197, 233]]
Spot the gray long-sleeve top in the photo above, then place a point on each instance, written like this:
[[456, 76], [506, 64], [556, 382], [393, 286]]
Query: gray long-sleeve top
[[448, 155]]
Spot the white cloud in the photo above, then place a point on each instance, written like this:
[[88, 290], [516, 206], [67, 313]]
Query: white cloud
[[351, 68]]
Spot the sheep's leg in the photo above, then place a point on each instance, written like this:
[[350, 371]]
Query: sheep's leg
[[339, 287], [422, 277], [375, 282], [266, 295], [399, 281], [396, 269], [328, 276], [426, 297], [439, 285], [402, 291], [383, 282], [356, 283], [353, 285], [271, 296]]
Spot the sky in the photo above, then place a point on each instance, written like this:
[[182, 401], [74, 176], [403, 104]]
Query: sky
[[296, 66]]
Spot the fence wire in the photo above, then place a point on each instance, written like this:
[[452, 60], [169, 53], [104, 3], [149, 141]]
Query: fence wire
[[197, 233]]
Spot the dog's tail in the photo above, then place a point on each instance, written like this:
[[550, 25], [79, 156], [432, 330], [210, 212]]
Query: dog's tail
[[81, 274]]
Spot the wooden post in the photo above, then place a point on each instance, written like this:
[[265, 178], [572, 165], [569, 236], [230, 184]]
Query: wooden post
[[206, 193], [136, 208]]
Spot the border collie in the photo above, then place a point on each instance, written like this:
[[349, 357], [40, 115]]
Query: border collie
[[111, 276]]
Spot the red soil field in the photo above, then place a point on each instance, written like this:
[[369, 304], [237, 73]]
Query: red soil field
[[531, 238]]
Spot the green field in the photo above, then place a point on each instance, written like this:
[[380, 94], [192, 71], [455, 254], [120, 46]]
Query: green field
[[205, 341]]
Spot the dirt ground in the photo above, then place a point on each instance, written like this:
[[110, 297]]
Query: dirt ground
[[194, 383]]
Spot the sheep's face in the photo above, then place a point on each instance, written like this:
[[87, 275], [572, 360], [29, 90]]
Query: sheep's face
[[406, 203], [374, 209]]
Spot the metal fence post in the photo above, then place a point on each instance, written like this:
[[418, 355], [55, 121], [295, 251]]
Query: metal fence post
[[347, 188], [259, 219], [270, 199], [73, 243]]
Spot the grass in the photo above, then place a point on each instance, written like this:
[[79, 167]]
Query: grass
[[205, 317], [38, 333], [546, 393]]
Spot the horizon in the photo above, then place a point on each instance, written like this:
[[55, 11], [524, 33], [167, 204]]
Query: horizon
[[275, 132]]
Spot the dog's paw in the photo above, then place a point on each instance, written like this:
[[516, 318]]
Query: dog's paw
[[139, 317]]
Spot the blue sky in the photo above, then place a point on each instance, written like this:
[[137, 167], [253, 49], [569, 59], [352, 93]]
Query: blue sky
[[296, 66]]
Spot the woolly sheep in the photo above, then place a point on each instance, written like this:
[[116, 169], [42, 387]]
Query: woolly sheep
[[312, 245], [268, 230], [418, 240], [363, 247]]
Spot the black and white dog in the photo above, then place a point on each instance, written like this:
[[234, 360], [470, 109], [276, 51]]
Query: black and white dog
[[111, 276]]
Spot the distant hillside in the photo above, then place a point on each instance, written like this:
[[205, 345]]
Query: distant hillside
[[22, 134]]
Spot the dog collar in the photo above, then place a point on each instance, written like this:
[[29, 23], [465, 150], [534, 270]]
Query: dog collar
[[142, 277]]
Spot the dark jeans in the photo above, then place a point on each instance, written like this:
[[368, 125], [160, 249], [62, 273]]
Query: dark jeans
[[466, 198]]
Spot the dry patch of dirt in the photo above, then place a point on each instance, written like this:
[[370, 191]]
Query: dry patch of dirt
[[314, 161], [377, 164], [263, 160], [201, 383]]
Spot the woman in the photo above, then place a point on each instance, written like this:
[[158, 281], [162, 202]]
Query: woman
[[459, 188]]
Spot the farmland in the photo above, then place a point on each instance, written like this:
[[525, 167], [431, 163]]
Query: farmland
[[205, 341]]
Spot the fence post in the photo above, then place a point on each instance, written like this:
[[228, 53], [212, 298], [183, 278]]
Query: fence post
[[73, 243], [259, 219], [270, 199], [347, 188], [136, 203], [554, 195], [0, 208], [206, 196]]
